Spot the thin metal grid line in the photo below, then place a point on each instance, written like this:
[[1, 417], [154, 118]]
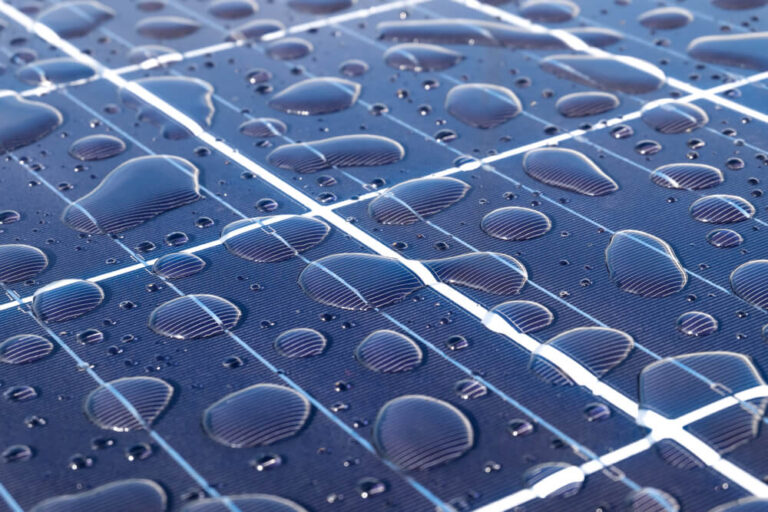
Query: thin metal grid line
[[712, 458]]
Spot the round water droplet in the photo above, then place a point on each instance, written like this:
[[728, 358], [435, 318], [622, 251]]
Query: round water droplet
[[516, 223], [549, 11], [232, 9], [696, 323], [66, 299], [597, 412], [148, 396], [300, 342], [419, 432], [194, 316], [589, 103], [566, 487], [24, 348], [750, 282], [724, 238], [524, 315], [675, 117], [20, 262], [387, 351], [482, 105], [20, 393], [96, 147], [256, 416], [722, 209], [177, 265], [687, 176], [353, 67], [286, 236], [647, 147], [520, 428], [470, 389], [316, 96], [90, 336], [289, 48], [263, 127]]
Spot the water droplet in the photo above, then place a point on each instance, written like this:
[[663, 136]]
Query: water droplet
[[258, 415], [588, 103], [524, 315], [289, 48], [490, 272], [176, 238], [139, 54], [622, 131], [549, 11], [412, 200], [566, 487], [386, 351], [233, 9], [520, 428], [315, 96], [370, 487], [649, 499], [752, 503], [166, 27], [696, 323], [9, 217], [132, 494], [20, 262], [20, 393], [320, 6], [353, 67], [137, 452], [177, 265], [194, 316], [75, 18], [263, 127], [417, 432], [647, 147], [254, 30], [66, 299], [148, 396], [24, 121], [343, 151], [722, 209], [89, 336], [300, 342], [358, 281], [738, 50], [54, 71], [96, 147], [470, 389], [569, 170], [482, 105], [724, 238], [597, 412], [598, 349], [133, 193], [665, 18], [267, 462], [675, 117], [421, 57], [17, 453], [643, 264], [624, 74], [516, 223], [687, 176], [281, 240], [24, 348], [191, 96]]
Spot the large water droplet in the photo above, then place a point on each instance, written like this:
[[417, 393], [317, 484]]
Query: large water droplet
[[524, 315], [178, 265], [678, 385], [129, 495], [413, 200], [421, 57], [191, 96], [675, 117], [105, 406], [76, 18], [133, 193], [665, 18], [722, 209], [750, 282], [625, 74], [166, 27], [256, 416], [696, 323], [740, 50], [96, 147], [244, 503], [598, 349], [516, 223], [20, 262], [388, 351], [417, 432], [549, 11], [562, 488], [315, 96], [752, 503], [687, 176], [320, 6], [66, 299], [587, 103], [24, 122], [194, 316], [489, 272], [482, 105], [54, 71], [569, 170], [300, 342], [643, 264], [278, 241], [24, 348], [358, 281], [343, 151]]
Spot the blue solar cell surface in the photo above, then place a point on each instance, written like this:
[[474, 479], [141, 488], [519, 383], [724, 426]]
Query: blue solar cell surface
[[488, 415]]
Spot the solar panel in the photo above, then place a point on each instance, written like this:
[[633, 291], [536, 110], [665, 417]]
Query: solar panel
[[407, 255]]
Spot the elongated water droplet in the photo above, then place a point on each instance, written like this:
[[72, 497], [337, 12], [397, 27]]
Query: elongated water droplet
[[315, 96], [649, 499], [417, 432], [96, 147], [665, 18], [738, 50], [569, 483], [413, 200], [233, 9], [24, 348], [625, 74], [516, 223], [148, 397], [524, 315], [675, 117], [687, 176], [549, 11], [244, 503], [133, 494], [722, 209], [24, 122], [588, 103], [258, 415], [569, 170], [54, 71], [289, 48], [254, 30], [20, 262], [76, 18], [421, 57], [489, 272], [290, 234], [342, 151], [643, 264], [166, 27], [320, 6]]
